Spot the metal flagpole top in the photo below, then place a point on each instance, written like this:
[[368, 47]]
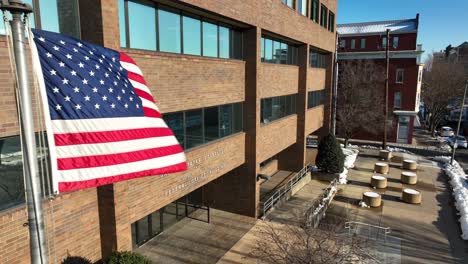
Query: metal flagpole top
[[16, 6]]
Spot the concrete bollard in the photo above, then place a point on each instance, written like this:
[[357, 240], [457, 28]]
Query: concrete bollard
[[408, 177], [411, 196], [385, 155], [410, 165], [379, 182], [372, 199], [381, 168]]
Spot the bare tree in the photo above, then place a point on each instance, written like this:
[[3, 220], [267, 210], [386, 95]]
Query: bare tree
[[360, 98], [300, 244], [442, 84]]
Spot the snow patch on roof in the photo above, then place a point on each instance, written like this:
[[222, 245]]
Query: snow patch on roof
[[378, 27]]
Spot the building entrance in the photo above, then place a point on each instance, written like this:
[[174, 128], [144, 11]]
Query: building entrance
[[156, 222]]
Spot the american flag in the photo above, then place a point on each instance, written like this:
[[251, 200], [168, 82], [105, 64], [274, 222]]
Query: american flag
[[103, 125]]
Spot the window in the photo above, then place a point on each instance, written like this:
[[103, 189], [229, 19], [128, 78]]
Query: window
[[169, 31], [289, 3], [363, 43], [11, 170], [142, 26], [384, 42], [331, 22], [317, 60], [193, 128], [279, 52], [353, 44], [302, 7], [315, 11], [224, 42], [399, 75], [210, 39], [277, 107], [323, 16], [199, 126], [154, 27], [343, 43], [395, 42], [192, 35], [54, 15], [315, 98], [397, 100]]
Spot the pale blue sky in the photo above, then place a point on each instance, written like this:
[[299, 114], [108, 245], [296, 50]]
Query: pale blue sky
[[441, 22]]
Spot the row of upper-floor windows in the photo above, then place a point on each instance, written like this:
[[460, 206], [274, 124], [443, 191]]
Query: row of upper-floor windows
[[54, 15], [279, 52], [319, 13], [196, 127], [362, 42], [277, 107], [151, 26], [317, 59]]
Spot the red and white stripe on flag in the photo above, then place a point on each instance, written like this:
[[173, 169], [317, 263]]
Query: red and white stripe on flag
[[89, 152]]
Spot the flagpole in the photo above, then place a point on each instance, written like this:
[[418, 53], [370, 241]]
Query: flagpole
[[30, 166]]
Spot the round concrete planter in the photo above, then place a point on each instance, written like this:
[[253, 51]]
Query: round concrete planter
[[381, 168], [410, 165], [372, 199], [411, 196], [385, 155], [379, 182], [408, 177]]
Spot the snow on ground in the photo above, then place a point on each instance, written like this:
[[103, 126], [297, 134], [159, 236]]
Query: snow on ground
[[350, 158], [459, 182], [392, 149]]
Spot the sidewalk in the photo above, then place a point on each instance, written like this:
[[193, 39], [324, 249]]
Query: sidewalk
[[426, 233]]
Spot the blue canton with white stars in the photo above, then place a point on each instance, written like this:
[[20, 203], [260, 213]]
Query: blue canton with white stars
[[83, 80]]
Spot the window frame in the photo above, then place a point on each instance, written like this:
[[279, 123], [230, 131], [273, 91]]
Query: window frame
[[306, 8], [291, 51], [157, 6], [323, 20], [398, 71], [331, 21], [363, 43], [395, 42], [353, 43], [395, 105]]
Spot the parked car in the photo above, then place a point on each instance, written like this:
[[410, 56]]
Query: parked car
[[446, 131], [461, 142]]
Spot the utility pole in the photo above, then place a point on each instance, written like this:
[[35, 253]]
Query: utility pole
[[30, 166], [459, 123], [335, 87], [387, 58]]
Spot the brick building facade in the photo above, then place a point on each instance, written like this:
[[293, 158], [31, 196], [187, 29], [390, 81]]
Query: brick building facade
[[366, 41], [223, 171]]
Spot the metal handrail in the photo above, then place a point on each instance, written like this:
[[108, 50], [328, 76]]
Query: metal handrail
[[281, 192], [386, 230], [317, 211]]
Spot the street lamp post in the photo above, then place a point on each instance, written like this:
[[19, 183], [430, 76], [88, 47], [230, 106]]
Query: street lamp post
[[387, 65]]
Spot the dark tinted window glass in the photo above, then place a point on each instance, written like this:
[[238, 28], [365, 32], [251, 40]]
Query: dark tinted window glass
[[193, 128], [331, 22], [122, 26], [211, 124], [192, 36], [210, 40], [323, 17], [225, 125], [169, 31], [237, 118], [315, 11], [142, 26], [279, 52], [224, 42], [315, 98], [317, 60], [175, 122], [236, 44], [11, 173], [60, 16], [277, 107], [284, 53]]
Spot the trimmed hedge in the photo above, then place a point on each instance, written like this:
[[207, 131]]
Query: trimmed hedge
[[76, 260], [330, 157], [127, 257]]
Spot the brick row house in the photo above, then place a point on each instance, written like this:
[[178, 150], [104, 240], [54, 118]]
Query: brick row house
[[241, 83], [367, 41]]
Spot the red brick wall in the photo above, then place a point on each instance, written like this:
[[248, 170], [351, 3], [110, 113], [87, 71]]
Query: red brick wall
[[72, 228], [277, 80], [316, 79], [276, 136]]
